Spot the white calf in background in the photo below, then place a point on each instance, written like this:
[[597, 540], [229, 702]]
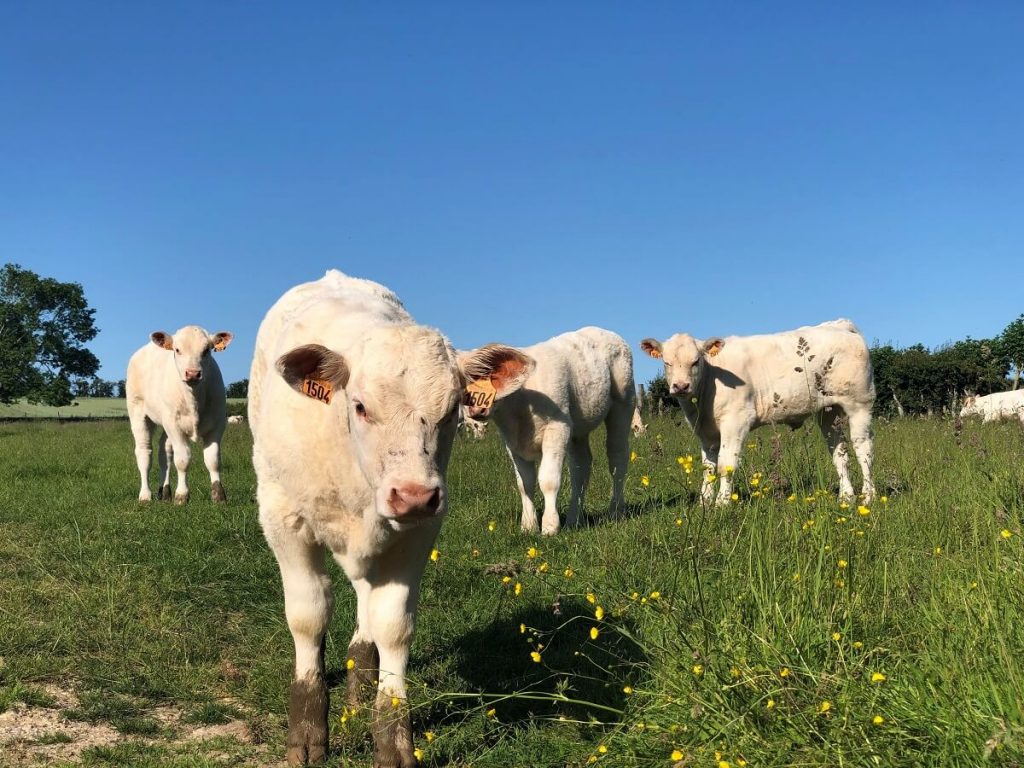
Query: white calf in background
[[730, 386], [582, 378], [996, 407], [175, 383]]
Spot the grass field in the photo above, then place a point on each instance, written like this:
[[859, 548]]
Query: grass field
[[784, 631], [81, 408]]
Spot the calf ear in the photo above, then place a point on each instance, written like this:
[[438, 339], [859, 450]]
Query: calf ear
[[713, 346], [221, 340], [315, 363], [506, 367], [652, 347], [162, 339]]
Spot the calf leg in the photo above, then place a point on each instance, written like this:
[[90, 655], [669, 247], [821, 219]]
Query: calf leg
[[392, 618], [733, 435], [526, 479], [307, 606], [553, 449], [165, 457], [142, 431], [617, 427], [709, 460], [832, 430], [580, 462], [863, 445], [362, 660], [182, 455], [211, 457]]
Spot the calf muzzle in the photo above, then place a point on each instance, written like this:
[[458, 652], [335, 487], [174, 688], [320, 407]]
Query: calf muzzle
[[414, 501]]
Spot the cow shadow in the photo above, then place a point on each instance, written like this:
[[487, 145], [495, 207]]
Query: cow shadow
[[595, 519], [577, 676]]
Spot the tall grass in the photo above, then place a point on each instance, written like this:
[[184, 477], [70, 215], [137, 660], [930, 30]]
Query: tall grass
[[784, 630]]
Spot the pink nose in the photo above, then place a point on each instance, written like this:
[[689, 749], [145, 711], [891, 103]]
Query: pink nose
[[193, 374], [414, 500], [680, 388]]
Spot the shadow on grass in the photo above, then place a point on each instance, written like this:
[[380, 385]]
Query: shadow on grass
[[577, 677]]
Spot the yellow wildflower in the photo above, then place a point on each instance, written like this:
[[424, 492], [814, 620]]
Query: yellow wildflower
[[770, 704], [506, 579], [395, 702], [836, 636], [592, 759], [434, 555], [531, 552], [676, 755], [863, 511], [535, 656], [568, 573], [729, 469], [522, 629], [632, 455], [791, 497], [492, 712], [418, 754], [594, 632], [599, 613], [843, 563], [858, 644], [878, 677], [429, 736], [645, 481], [543, 568], [602, 749], [491, 525], [350, 664], [734, 672], [735, 497], [698, 669], [655, 595], [1006, 533], [877, 720], [824, 707], [591, 598], [784, 672], [518, 588]]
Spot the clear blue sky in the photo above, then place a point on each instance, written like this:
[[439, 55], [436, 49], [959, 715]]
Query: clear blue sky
[[517, 170]]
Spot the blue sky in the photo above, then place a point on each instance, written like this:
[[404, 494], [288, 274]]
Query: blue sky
[[515, 171]]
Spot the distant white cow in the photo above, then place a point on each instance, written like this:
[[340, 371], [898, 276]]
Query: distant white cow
[[353, 409], [582, 379], [996, 407], [236, 419], [474, 427], [174, 383], [637, 424], [730, 386]]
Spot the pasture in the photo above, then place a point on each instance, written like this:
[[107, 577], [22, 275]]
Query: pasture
[[785, 630]]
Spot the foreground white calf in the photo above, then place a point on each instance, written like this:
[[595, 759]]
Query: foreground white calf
[[175, 383], [582, 379], [353, 409], [730, 386], [996, 407]]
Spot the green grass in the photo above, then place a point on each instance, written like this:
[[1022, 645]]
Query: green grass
[[144, 605], [81, 408]]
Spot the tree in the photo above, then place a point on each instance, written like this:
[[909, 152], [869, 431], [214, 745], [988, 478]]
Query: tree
[[120, 387], [1011, 346], [43, 326], [238, 389]]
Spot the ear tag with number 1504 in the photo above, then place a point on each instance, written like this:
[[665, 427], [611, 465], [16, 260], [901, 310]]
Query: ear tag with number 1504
[[318, 389], [479, 394]]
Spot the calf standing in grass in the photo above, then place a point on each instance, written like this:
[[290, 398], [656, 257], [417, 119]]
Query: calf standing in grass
[[996, 407], [353, 409], [175, 383], [730, 386], [582, 379]]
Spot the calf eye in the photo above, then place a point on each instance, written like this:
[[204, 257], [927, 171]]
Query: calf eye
[[177, 351], [360, 410]]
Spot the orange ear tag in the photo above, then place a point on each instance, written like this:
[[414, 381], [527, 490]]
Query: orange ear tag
[[318, 389], [220, 346], [479, 394]]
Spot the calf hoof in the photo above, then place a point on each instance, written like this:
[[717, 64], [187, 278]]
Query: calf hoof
[[550, 527], [164, 493], [361, 663], [217, 492], [146, 497], [392, 735], [308, 704], [181, 498]]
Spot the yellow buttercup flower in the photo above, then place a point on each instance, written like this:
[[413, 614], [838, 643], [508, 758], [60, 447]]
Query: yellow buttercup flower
[[628, 690], [395, 702], [429, 736], [568, 573], [594, 632], [492, 712], [770, 704], [858, 644], [877, 720], [698, 669], [824, 707], [878, 677], [784, 672], [535, 656], [491, 525], [591, 598], [735, 497], [522, 629], [1006, 533], [418, 754], [434, 555], [645, 481], [676, 755], [655, 595], [836, 636], [863, 511], [350, 664], [518, 589], [602, 749], [531, 552], [632, 455], [599, 613], [843, 563]]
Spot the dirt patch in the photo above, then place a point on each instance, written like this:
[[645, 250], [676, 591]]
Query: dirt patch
[[42, 735]]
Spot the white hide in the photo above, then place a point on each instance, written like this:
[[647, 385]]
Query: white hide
[[174, 382], [730, 386], [996, 407], [583, 379], [334, 475]]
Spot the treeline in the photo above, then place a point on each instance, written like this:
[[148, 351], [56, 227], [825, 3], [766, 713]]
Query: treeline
[[916, 380]]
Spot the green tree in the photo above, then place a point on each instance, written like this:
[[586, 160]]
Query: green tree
[[44, 324], [1011, 346], [238, 389]]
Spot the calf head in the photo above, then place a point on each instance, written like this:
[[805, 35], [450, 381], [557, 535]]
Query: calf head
[[192, 347], [685, 360], [401, 388]]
